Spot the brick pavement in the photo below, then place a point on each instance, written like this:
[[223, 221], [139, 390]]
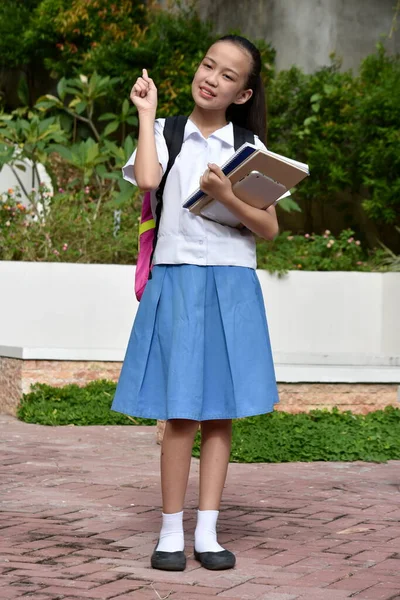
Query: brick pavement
[[81, 514]]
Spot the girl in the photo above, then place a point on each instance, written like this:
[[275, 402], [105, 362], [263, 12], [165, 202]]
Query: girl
[[199, 349]]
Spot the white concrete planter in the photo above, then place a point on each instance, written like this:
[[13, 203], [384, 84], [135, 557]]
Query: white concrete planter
[[325, 327], [8, 179]]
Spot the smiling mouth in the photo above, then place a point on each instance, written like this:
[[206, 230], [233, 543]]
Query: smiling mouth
[[207, 92]]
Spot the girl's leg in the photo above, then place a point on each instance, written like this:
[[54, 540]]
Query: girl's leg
[[176, 453], [216, 438]]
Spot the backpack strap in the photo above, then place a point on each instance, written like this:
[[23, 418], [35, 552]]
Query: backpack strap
[[241, 136], [174, 130]]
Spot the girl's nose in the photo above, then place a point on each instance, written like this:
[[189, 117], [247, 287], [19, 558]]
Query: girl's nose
[[212, 80]]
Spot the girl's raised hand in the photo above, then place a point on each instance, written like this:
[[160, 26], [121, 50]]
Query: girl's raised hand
[[144, 94]]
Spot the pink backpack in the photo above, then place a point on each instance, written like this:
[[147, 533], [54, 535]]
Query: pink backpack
[[146, 243]]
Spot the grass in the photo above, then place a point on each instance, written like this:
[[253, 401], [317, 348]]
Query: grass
[[319, 435]]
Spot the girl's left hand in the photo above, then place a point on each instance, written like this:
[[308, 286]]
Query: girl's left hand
[[216, 184]]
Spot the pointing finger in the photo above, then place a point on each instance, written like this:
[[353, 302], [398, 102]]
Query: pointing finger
[[145, 76]]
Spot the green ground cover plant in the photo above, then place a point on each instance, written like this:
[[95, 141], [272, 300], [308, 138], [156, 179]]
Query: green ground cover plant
[[320, 435], [74, 405]]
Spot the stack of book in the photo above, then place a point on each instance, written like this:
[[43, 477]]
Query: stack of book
[[259, 177]]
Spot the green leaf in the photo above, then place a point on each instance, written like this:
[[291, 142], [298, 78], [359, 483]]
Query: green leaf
[[310, 120], [101, 170], [289, 205], [110, 128], [124, 196], [329, 89], [23, 90], [92, 150], [80, 107], [62, 88], [125, 108], [110, 174], [107, 117], [48, 101], [129, 146]]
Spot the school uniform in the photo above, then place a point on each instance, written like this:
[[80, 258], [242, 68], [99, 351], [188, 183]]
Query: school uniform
[[199, 347]]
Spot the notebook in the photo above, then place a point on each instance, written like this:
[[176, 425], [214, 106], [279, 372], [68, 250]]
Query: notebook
[[255, 189], [281, 169]]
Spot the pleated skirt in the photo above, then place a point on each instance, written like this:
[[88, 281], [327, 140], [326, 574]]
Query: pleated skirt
[[199, 347]]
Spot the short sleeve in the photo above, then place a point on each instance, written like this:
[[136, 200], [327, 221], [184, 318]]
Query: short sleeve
[[259, 144], [162, 152]]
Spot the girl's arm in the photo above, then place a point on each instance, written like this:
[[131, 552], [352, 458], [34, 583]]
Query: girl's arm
[[263, 223], [147, 169]]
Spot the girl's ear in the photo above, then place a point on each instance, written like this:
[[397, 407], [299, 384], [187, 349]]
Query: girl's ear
[[243, 96]]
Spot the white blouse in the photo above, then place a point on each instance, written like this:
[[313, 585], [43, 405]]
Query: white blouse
[[184, 238]]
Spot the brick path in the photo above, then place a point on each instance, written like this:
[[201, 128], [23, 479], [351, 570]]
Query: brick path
[[80, 517]]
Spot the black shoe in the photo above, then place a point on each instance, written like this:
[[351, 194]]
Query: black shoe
[[216, 561], [168, 561]]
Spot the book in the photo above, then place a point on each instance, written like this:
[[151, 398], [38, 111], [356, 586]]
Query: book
[[255, 189], [280, 169]]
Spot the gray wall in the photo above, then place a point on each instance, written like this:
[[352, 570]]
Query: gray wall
[[305, 32]]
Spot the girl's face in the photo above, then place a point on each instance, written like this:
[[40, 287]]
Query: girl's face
[[221, 77]]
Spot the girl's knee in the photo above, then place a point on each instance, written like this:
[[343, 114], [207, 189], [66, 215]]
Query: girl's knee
[[182, 424], [216, 424]]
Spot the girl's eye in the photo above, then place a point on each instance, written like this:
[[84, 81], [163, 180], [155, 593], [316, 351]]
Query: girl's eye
[[228, 77], [207, 66]]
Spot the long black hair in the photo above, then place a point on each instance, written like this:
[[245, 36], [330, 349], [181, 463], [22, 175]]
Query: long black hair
[[252, 114]]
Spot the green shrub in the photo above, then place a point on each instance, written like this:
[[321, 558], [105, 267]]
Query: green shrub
[[14, 19], [74, 405], [320, 435], [378, 135], [346, 128], [275, 437], [73, 228], [64, 34], [314, 253]]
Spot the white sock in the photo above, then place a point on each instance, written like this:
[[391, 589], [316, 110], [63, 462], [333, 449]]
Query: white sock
[[205, 535], [171, 534]]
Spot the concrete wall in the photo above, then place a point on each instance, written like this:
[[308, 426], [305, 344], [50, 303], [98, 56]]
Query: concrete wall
[[324, 326], [305, 32]]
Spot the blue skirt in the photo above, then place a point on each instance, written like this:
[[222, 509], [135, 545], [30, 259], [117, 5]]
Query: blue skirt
[[199, 347]]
